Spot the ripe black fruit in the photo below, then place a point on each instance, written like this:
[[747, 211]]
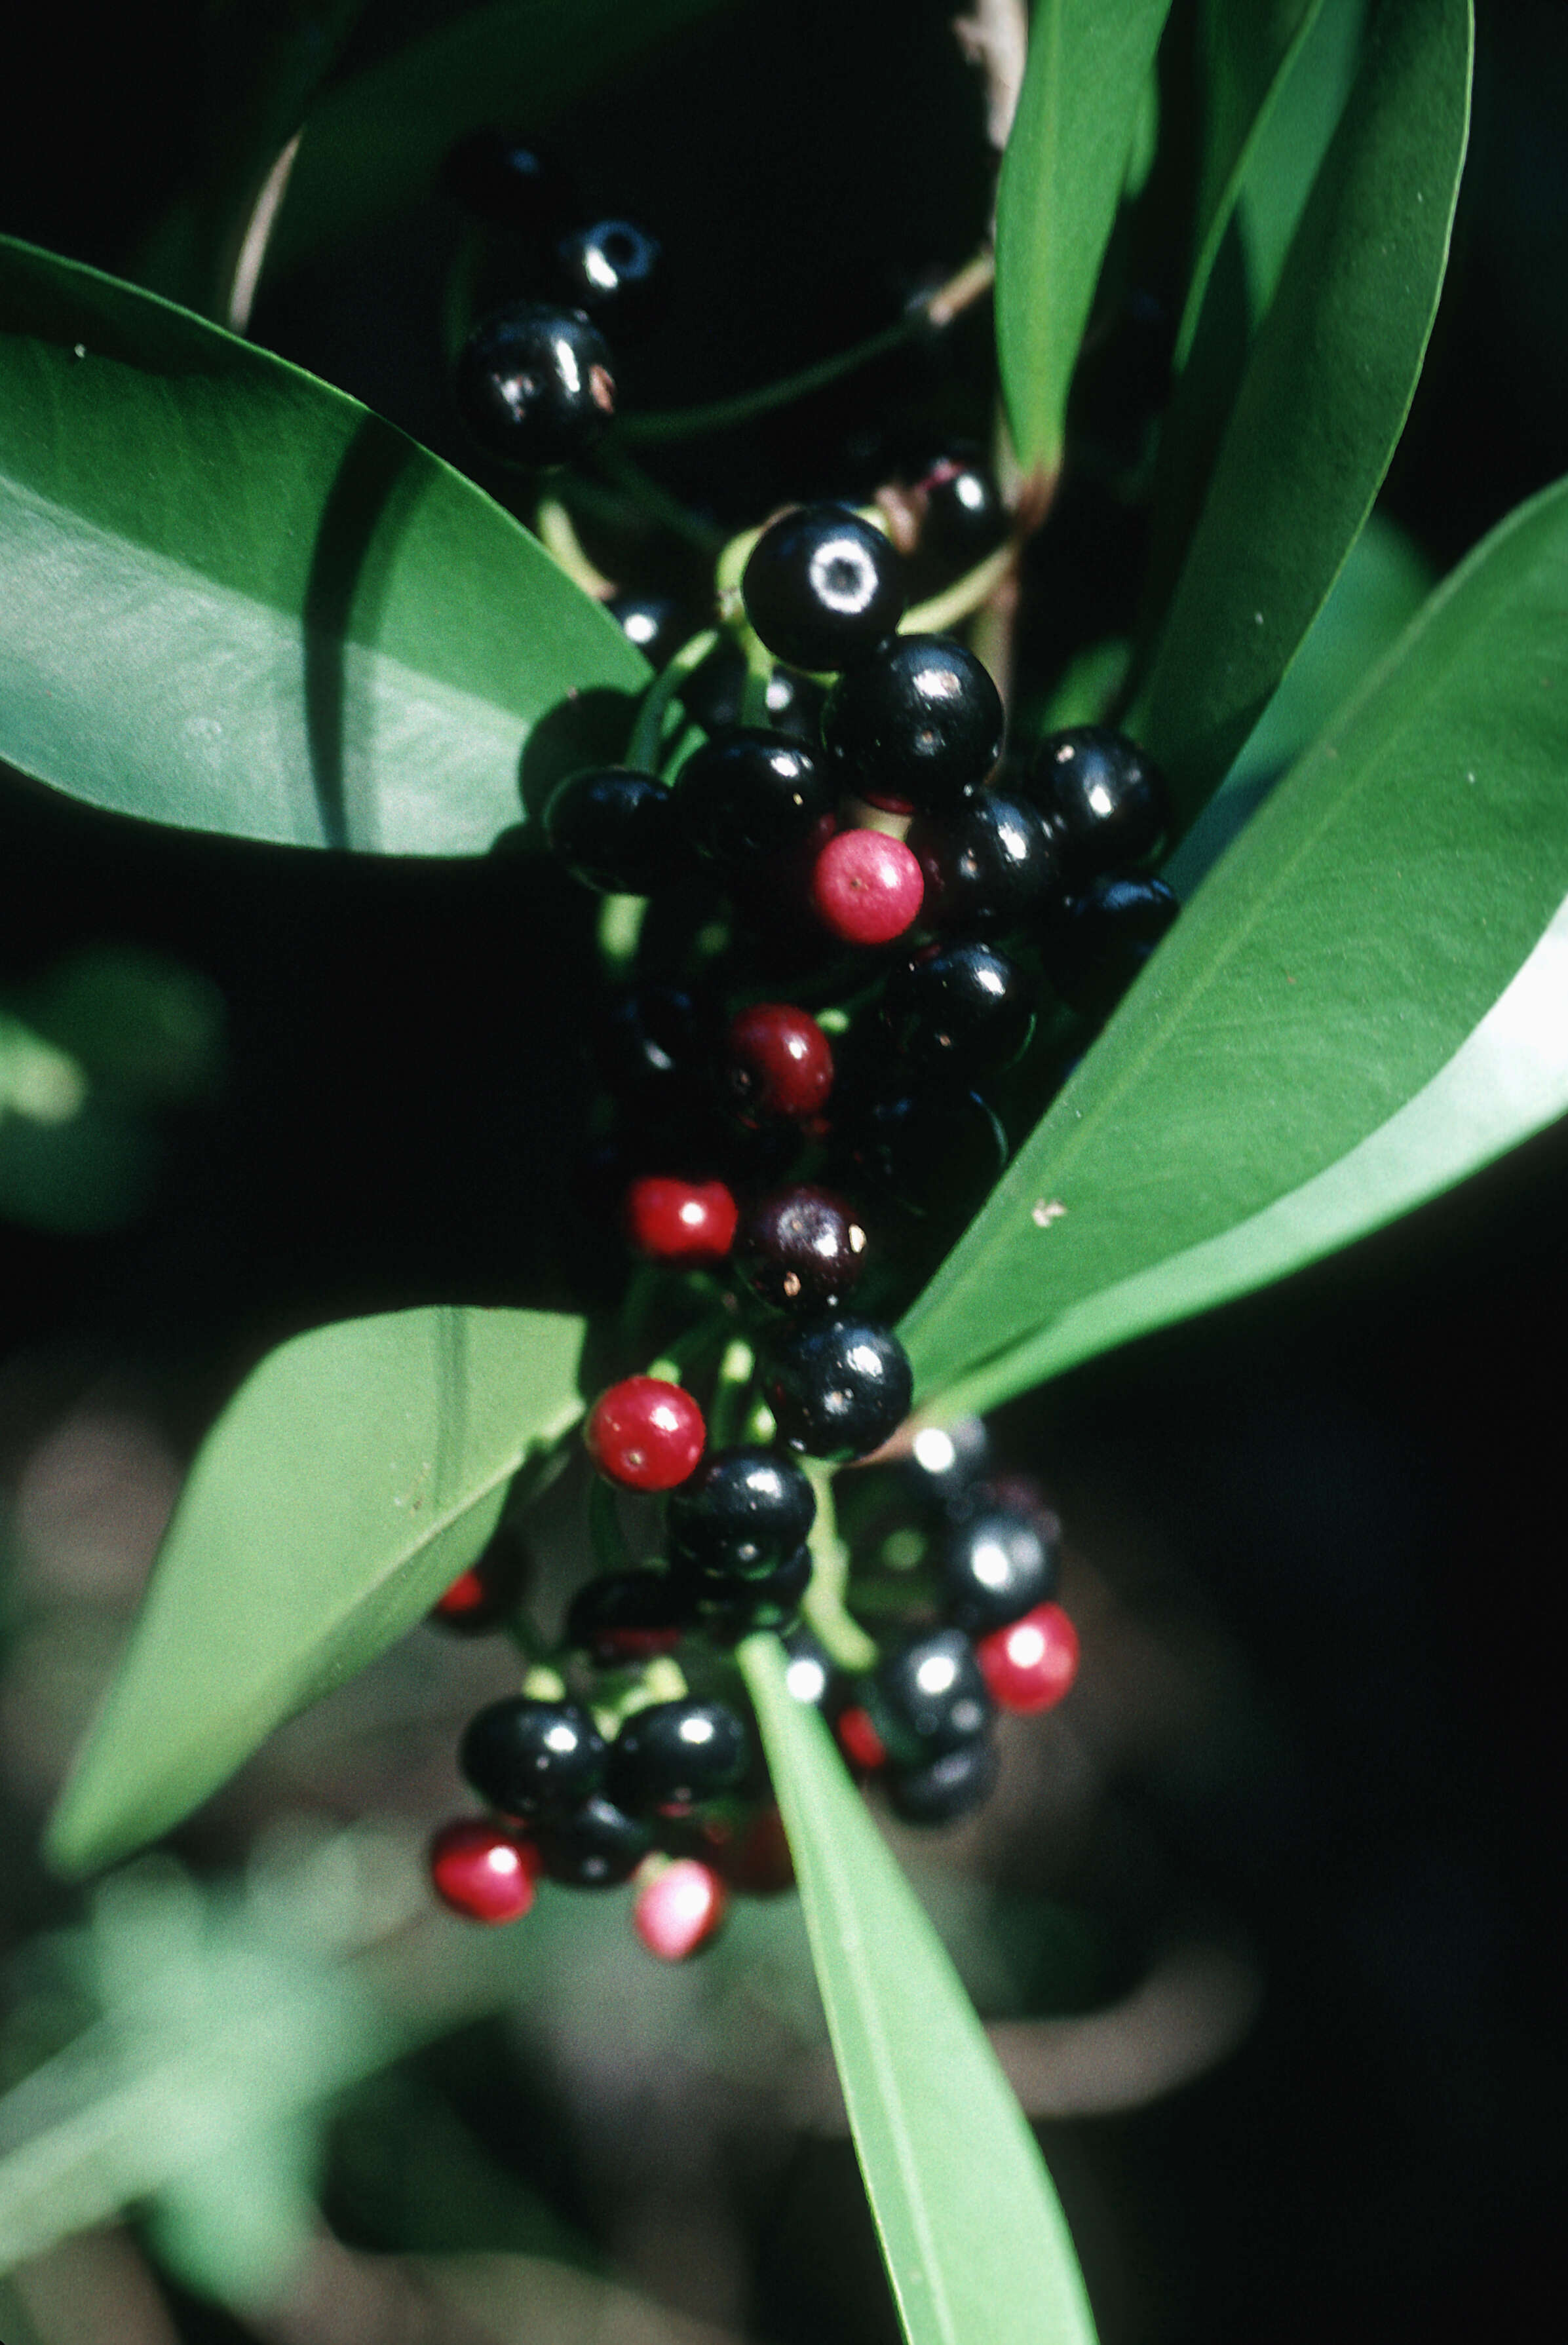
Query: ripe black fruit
[[532, 1758], [1109, 801], [749, 797], [919, 721], [743, 1512], [674, 1754], [989, 865], [799, 1249], [836, 1388], [616, 829], [1099, 941], [937, 1151], [963, 517], [653, 1045], [822, 587], [657, 624], [615, 273], [535, 385], [624, 1618], [947, 1788], [965, 1007], [727, 1610], [595, 1846], [928, 1697], [713, 693], [996, 1566]]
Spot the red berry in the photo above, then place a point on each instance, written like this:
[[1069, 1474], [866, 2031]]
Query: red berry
[[1030, 1664], [858, 1740], [645, 1434], [482, 1872], [679, 1221], [680, 1909], [466, 1595], [776, 1062], [758, 1863], [866, 887]]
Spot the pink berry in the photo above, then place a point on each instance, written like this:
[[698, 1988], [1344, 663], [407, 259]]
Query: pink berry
[[645, 1434], [1031, 1663], [680, 1909], [482, 1872], [679, 1221], [866, 887]]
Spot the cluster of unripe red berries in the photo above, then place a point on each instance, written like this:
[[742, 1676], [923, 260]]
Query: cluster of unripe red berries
[[849, 832]]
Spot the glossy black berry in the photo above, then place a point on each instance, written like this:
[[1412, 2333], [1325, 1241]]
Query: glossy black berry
[[1109, 801], [507, 182], [615, 273], [749, 797], [938, 1151], [989, 865], [799, 1249], [836, 1388], [920, 722], [946, 1462], [995, 1567], [654, 1045], [823, 588], [712, 695], [530, 1757], [595, 1846], [947, 1788], [929, 1697], [741, 1513], [657, 624], [536, 386], [624, 1618], [616, 829], [963, 517], [965, 1007], [1099, 941], [727, 1610], [674, 1754]]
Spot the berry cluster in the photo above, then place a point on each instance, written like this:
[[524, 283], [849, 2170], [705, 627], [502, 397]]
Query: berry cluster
[[849, 908]]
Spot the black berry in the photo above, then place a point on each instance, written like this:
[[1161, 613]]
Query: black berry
[[741, 1513], [615, 273], [1109, 801], [929, 1697], [654, 1045], [799, 1249], [1099, 941], [836, 1388], [989, 865], [536, 386], [965, 1007], [749, 797], [947, 1788], [529, 1758], [962, 519], [937, 1151], [995, 1567], [727, 1610], [673, 1755], [595, 1846], [624, 1618], [823, 588], [616, 829], [657, 624], [918, 724], [713, 692]]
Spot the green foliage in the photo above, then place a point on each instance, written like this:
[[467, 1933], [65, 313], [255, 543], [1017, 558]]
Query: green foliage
[[1356, 1010], [1324, 397], [354, 1475], [238, 602], [1062, 178], [970, 2230]]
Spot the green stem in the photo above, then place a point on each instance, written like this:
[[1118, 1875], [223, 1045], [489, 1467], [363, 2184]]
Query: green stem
[[758, 676], [964, 596], [644, 747], [726, 1408], [657, 502], [840, 1637], [620, 930], [552, 525]]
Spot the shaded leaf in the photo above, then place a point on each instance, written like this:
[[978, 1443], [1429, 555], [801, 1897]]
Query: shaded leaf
[[973, 2239], [1062, 178], [1366, 1001], [1324, 398], [238, 602], [353, 1476], [1307, 102]]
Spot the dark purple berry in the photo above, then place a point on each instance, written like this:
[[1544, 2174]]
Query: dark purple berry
[[823, 588], [937, 1151], [657, 624], [595, 1846], [919, 722], [836, 1388], [1098, 943], [673, 1755], [995, 1567], [626, 1618], [536, 386], [929, 1697], [749, 797], [964, 1007], [1110, 803], [963, 517], [653, 1045], [799, 1249], [989, 865], [741, 1513], [615, 830], [532, 1758], [615, 273], [947, 1788], [727, 1610]]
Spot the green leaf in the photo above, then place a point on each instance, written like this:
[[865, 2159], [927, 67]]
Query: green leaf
[[374, 144], [1324, 397], [1083, 93], [973, 2239], [354, 1475], [236, 601], [1300, 120], [1362, 1004]]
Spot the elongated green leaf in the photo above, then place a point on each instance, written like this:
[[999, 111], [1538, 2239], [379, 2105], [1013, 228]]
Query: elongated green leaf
[[376, 143], [1325, 395], [973, 2237], [354, 1475], [1062, 178], [236, 601], [1365, 1002]]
